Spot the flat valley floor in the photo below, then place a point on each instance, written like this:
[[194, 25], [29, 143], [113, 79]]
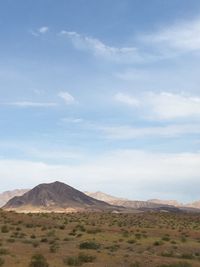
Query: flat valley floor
[[100, 239]]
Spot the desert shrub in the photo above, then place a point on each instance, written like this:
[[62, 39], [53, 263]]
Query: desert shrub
[[138, 236], [38, 260], [81, 227], [94, 231], [44, 240], [86, 258], [131, 241], [79, 260], [72, 261], [11, 240], [187, 256], [113, 248], [135, 264], [35, 244], [4, 229], [1, 262], [179, 264], [166, 238], [89, 245], [158, 243], [167, 254], [183, 239], [54, 248], [62, 227], [3, 251]]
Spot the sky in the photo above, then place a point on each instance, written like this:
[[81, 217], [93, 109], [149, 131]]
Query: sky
[[102, 95]]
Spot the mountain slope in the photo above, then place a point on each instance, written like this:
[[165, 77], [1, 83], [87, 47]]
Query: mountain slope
[[104, 197], [174, 203], [55, 196], [6, 196], [133, 204]]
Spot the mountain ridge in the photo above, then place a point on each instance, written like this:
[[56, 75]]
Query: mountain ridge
[[47, 199], [54, 196]]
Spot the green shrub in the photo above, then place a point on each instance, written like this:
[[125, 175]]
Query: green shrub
[[3, 251], [72, 261], [86, 258], [4, 229], [158, 243], [131, 241], [89, 245], [166, 238], [79, 260], [38, 260]]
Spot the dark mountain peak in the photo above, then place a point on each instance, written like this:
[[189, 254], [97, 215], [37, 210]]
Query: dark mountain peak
[[55, 195]]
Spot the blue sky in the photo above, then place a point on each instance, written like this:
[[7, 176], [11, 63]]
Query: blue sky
[[103, 95]]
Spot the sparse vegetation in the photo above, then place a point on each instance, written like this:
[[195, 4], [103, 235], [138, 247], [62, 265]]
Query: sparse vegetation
[[38, 260], [151, 239]]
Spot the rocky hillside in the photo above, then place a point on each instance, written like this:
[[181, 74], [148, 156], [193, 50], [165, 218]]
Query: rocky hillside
[[6, 196], [55, 196]]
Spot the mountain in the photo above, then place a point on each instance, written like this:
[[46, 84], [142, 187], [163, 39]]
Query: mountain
[[195, 204], [174, 203], [55, 196], [5, 196], [104, 197], [152, 204], [133, 204]]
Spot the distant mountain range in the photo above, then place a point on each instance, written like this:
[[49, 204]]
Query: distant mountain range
[[151, 203], [60, 197], [134, 204]]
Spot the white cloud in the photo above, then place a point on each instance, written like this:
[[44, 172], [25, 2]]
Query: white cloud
[[127, 99], [166, 106], [38, 32], [98, 48], [67, 97], [171, 106], [43, 29], [27, 104], [72, 120], [182, 36], [131, 170], [169, 131]]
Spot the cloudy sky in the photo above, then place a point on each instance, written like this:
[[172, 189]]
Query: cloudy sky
[[103, 95]]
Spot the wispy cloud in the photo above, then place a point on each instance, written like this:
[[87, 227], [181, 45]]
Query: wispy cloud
[[67, 97], [183, 36], [170, 41], [99, 48], [43, 29], [27, 104], [168, 131], [71, 120], [38, 32], [165, 105], [127, 99]]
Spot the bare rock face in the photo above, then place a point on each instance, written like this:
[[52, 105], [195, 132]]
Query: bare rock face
[[54, 196], [6, 196]]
